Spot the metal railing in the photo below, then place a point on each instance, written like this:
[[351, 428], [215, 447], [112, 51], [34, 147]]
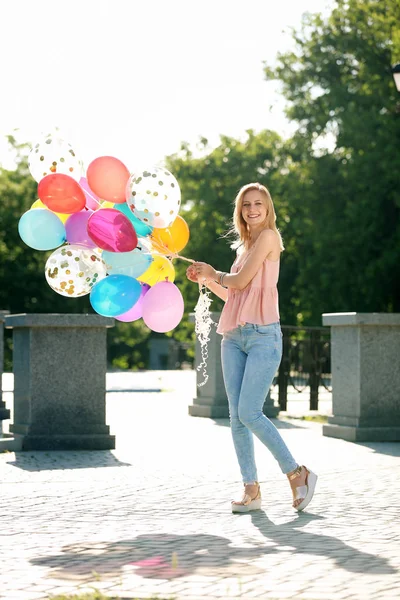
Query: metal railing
[[305, 366], [306, 363]]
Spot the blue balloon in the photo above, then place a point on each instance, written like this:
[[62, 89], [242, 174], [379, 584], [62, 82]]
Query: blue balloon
[[141, 228], [133, 263], [41, 229], [115, 295]]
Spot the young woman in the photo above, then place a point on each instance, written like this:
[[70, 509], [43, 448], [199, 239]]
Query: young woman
[[252, 342]]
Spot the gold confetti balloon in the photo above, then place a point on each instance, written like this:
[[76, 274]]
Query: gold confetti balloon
[[73, 270], [154, 197], [53, 155]]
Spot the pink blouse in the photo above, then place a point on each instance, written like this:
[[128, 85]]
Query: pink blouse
[[257, 303]]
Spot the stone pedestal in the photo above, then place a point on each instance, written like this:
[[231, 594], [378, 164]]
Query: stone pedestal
[[60, 364], [211, 400], [365, 358], [4, 412]]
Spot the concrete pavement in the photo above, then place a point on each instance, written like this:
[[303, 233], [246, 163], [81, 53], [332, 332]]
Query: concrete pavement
[[153, 517]]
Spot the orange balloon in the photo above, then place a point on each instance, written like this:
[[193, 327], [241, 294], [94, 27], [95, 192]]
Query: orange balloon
[[171, 239], [107, 177]]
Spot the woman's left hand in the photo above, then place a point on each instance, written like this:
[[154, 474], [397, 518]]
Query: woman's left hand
[[205, 271]]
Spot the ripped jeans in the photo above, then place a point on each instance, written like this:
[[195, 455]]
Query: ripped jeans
[[251, 355]]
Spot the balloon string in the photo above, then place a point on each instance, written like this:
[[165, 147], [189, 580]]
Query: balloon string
[[171, 255], [92, 197], [176, 255], [203, 323], [168, 253], [159, 274]]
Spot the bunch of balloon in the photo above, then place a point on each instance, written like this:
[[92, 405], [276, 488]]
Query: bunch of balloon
[[113, 234], [153, 199], [75, 264], [78, 224]]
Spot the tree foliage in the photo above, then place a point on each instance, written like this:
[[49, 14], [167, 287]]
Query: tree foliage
[[23, 286], [335, 185], [338, 82], [209, 185]]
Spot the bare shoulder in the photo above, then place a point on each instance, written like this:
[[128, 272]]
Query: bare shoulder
[[268, 237], [269, 244]]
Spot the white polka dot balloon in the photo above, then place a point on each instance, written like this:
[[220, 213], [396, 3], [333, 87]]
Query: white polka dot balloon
[[73, 270], [53, 155], [154, 197]]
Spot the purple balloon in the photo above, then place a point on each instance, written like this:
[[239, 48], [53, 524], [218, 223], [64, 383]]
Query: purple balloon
[[92, 201], [163, 307], [111, 230], [76, 229], [136, 312]]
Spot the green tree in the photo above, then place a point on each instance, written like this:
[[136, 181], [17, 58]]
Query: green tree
[[338, 83], [23, 284], [335, 185], [209, 185]]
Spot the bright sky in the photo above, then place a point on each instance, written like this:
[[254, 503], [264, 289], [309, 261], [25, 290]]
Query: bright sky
[[134, 78]]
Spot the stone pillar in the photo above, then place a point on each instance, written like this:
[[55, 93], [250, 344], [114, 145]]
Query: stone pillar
[[365, 356], [211, 400], [60, 364], [4, 412]]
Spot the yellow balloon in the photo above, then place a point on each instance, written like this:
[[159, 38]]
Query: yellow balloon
[[39, 204], [107, 204], [172, 239], [161, 269]]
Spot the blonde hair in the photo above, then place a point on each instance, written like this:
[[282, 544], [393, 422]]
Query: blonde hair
[[240, 229]]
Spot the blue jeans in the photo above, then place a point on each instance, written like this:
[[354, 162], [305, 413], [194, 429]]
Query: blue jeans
[[251, 355]]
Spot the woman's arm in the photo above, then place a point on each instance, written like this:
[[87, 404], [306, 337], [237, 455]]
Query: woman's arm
[[217, 289], [265, 245], [212, 285]]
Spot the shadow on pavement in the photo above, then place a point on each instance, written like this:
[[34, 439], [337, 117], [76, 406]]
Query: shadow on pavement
[[278, 424], [389, 448], [285, 424], [222, 422], [167, 556], [133, 390], [158, 556], [66, 459], [346, 557]]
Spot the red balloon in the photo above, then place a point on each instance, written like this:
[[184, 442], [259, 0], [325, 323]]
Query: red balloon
[[107, 177], [62, 194], [111, 230]]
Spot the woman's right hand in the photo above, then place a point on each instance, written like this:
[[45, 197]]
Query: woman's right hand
[[191, 274]]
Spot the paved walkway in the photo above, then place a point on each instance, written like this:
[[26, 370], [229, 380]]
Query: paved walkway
[[152, 518]]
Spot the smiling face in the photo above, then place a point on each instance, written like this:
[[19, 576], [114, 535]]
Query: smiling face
[[254, 210]]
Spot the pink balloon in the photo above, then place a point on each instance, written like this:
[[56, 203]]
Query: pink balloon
[[163, 307], [76, 229], [136, 312], [108, 177], [92, 201], [111, 230]]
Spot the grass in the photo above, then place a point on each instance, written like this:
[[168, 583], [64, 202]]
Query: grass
[[95, 595], [87, 596], [311, 418], [315, 418]]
